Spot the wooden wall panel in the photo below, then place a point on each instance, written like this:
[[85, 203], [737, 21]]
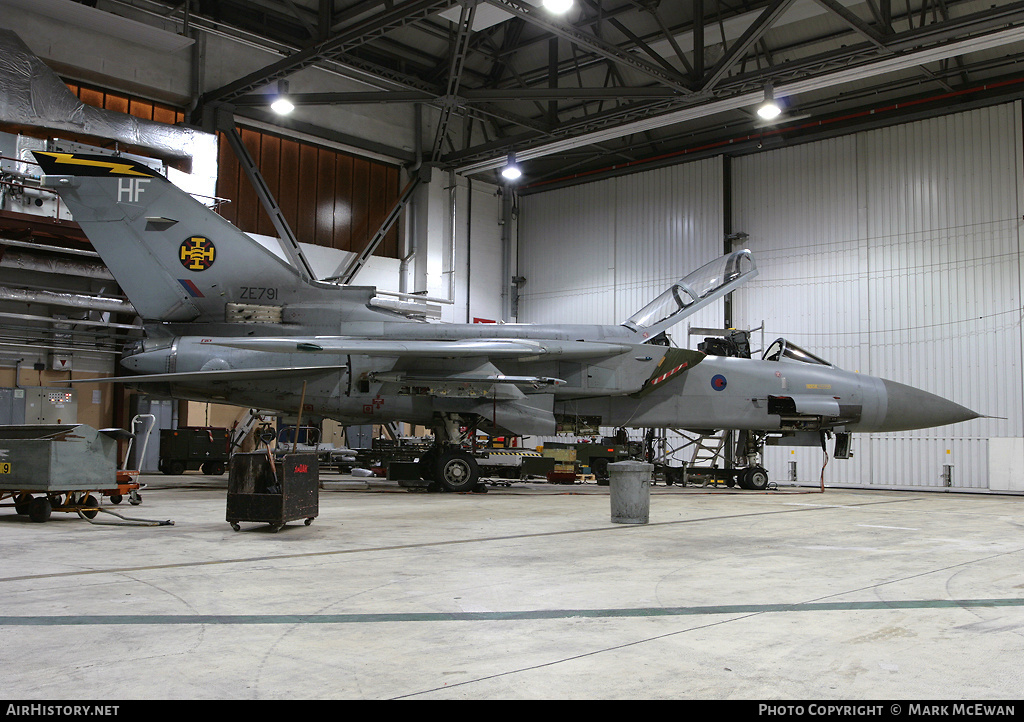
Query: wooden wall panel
[[343, 201], [120, 103], [329, 198], [288, 187], [325, 198], [305, 224], [360, 203]]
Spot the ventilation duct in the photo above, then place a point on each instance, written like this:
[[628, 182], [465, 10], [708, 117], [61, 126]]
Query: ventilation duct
[[31, 94]]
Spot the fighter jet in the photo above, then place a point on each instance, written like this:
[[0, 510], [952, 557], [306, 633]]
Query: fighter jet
[[229, 321]]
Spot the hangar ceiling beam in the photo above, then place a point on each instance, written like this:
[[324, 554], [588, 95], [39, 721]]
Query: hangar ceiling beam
[[854, 22], [458, 59], [464, 95], [750, 36], [933, 43], [395, 16], [594, 44]]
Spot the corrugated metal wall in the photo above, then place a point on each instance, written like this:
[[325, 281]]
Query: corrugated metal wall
[[895, 252], [598, 252]]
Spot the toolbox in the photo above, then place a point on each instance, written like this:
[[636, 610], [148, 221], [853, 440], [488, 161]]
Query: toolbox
[[262, 489]]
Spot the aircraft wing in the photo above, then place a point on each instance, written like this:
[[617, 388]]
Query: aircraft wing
[[218, 375], [466, 348]]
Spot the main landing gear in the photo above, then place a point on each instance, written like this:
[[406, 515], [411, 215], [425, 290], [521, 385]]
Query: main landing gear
[[446, 465]]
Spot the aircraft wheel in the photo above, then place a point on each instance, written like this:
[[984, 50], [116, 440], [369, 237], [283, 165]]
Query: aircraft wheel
[[756, 479], [457, 471]]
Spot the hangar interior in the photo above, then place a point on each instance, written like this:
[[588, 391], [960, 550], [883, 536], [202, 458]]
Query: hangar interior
[[891, 248], [883, 206]]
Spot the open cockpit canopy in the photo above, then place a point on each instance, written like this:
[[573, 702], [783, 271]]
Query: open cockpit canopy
[[708, 283]]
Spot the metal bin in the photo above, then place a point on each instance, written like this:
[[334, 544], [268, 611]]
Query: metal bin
[[274, 492], [61, 463]]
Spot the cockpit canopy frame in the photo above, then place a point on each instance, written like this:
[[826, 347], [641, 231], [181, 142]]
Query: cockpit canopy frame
[[692, 293], [782, 349]]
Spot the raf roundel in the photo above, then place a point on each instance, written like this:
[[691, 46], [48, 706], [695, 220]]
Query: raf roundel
[[718, 382], [197, 253]]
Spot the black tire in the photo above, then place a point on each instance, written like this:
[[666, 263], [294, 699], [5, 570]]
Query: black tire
[[39, 510], [175, 468], [755, 479], [22, 503], [428, 465], [116, 499], [599, 468], [90, 501], [456, 471]]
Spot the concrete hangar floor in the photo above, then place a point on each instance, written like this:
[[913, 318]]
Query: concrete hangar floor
[[525, 592]]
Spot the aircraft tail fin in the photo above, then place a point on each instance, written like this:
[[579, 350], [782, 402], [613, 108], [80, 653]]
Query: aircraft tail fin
[[176, 259]]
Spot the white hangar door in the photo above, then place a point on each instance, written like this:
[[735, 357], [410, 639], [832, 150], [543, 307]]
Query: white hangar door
[[599, 252], [896, 252]]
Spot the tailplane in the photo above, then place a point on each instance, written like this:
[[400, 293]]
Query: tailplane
[[176, 259]]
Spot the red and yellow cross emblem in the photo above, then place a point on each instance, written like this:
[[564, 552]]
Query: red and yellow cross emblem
[[197, 253]]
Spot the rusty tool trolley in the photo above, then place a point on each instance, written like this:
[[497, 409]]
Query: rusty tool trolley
[[262, 489]]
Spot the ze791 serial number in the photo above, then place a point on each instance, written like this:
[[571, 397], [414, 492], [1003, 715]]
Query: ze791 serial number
[[257, 293]]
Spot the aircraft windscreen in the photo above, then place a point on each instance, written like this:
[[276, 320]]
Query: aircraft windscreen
[[696, 286], [783, 350]]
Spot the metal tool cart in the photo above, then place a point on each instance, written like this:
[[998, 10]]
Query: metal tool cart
[[55, 467], [207, 448], [273, 491]]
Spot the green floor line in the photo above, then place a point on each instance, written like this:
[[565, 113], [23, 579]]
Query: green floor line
[[242, 619]]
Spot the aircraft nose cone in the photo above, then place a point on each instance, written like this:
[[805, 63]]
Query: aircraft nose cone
[[910, 408]]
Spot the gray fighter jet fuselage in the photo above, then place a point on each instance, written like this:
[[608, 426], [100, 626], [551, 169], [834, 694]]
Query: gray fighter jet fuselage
[[229, 321]]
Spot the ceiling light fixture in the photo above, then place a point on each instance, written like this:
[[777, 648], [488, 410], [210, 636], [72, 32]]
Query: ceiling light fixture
[[281, 104], [558, 6], [769, 109], [511, 171]]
